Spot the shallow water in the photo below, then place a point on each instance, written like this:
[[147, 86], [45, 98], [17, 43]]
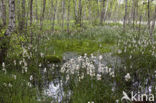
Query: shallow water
[[55, 88]]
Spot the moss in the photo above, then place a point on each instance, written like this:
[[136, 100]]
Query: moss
[[53, 58]]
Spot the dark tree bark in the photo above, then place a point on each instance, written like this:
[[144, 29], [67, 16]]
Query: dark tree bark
[[10, 29], [43, 12], [3, 12], [31, 14], [22, 21], [80, 13], [133, 10], [63, 12], [11, 25], [140, 20], [125, 17], [54, 16], [102, 12], [36, 7], [75, 11], [68, 17], [31, 11], [153, 25], [149, 22], [52, 10]]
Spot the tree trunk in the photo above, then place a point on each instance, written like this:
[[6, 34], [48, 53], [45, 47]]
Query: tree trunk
[[3, 12], [153, 25], [133, 11], [140, 19], [63, 11], [36, 7], [11, 27], [106, 10], [52, 11], [75, 11], [31, 11], [102, 12], [22, 22], [125, 17], [55, 9], [98, 11], [31, 14], [80, 13], [43, 12], [149, 22], [68, 17]]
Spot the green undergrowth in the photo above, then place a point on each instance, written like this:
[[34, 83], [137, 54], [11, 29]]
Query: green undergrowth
[[15, 88], [92, 40], [58, 47], [92, 90]]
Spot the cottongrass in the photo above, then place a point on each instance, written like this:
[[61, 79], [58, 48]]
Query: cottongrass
[[85, 65]]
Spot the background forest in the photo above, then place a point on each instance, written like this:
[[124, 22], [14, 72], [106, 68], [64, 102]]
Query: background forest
[[76, 51]]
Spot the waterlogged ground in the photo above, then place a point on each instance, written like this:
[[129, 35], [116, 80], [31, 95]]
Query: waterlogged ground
[[89, 49], [95, 64], [99, 64]]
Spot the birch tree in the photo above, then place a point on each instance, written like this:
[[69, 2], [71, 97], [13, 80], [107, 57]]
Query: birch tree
[[11, 25], [63, 12], [54, 15], [125, 16], [153, 25], [68, 16], [102, 12], [80, 13], [148, 8], [10, 29], [31, 11], [3, 12], [22, 21], [43, 13]]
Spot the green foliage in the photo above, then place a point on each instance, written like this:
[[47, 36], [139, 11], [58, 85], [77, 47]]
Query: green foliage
[[15, 88], [15, 46], [94, 40], [90, 89], [52, 59], [138, 58]]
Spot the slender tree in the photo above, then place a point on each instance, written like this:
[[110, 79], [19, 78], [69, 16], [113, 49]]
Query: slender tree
[[11, 25], [133, 12], [106, 9], [43, 13], [31, 14], [10, 29], [22, 21], [149, 21], [63, 12], [3, 12], [102, 12], [125, 16], [80, 13], [68, 16], [75, 11], [54, 15], [52, 10], [36, 7], [153, 25], [31, 11]]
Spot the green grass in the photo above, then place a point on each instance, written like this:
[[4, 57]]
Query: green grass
[[93, 40], [90, 89], [79, 46], [16, 90], [96, 40]]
